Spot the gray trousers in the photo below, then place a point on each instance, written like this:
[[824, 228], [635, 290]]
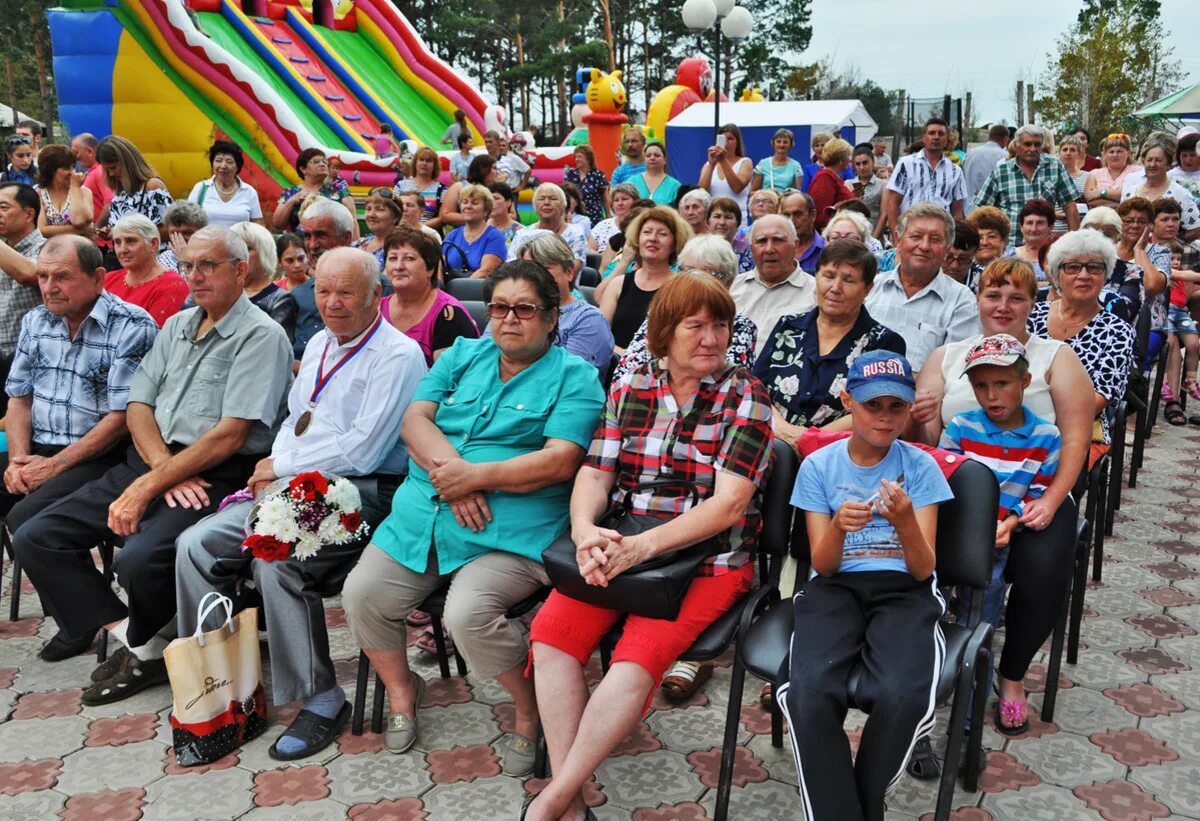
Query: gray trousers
[[209, 557]]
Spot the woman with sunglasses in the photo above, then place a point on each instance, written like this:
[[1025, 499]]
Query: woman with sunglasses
[[20, 169], [496, 433], [417, 307], [381, 213]]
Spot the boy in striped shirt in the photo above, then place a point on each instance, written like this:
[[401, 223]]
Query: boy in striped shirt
[[1020, 448]]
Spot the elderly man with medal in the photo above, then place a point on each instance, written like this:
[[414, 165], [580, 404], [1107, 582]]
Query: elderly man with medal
[[344, 411]]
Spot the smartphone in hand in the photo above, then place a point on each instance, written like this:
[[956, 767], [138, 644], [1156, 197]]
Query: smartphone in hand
[[721, 138]]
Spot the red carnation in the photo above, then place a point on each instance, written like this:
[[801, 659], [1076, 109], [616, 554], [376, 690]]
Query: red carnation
[[352, 521], [267, 548], [306, 486]]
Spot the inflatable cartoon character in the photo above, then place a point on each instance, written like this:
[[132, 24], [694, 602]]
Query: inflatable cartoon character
[[696, 73], [605, 93]]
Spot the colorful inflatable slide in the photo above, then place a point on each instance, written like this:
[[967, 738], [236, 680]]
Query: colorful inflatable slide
[[275, 76]]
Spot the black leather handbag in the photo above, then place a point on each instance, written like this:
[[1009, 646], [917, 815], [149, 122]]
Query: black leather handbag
[[656, 587]]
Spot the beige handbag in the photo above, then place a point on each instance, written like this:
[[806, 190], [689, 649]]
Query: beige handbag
[[216, 682]]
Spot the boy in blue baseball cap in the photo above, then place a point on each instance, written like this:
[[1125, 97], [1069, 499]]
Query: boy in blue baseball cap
[[870, 503]]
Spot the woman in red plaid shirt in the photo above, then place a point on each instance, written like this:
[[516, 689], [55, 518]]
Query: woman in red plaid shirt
[[687, 416]]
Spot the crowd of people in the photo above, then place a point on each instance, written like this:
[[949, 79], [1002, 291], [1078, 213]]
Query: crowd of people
[[162, 355]]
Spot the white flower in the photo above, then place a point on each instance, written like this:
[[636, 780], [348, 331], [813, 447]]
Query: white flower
[[307, 546], [330, 531], [789, 386], [277, 518], [838, 385], [343, 496]]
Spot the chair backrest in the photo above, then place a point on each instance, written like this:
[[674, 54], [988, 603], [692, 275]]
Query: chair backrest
[[777, 500], [589, 276], [478, 312], [588, 292], [465, 289], [966, 534], [592, 260]]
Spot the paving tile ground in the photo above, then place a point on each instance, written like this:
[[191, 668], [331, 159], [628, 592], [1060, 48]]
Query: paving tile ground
[[1124, 746]]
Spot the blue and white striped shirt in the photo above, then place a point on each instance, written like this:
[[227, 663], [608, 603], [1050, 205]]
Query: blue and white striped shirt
[[76, 382], [1024, 459]]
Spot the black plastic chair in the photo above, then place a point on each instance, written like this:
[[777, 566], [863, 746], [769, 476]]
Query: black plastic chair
[[464, 289], [589, 293], [592, 260], [477, 310], [589, 276], [965, 552]]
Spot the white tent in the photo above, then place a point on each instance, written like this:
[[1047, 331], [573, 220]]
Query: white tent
[[6, 118], [690, 132]]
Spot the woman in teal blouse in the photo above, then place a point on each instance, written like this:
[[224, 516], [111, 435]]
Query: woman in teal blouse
[[655, 183], [495, 433]]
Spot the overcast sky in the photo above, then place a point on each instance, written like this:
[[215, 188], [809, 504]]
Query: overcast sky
[[935, 47]]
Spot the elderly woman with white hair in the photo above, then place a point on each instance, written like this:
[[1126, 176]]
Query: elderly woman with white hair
[[277, 302], [1125, 291], [1078, 265], [708, 254], [142, 279], [693, 207], [550, 203]]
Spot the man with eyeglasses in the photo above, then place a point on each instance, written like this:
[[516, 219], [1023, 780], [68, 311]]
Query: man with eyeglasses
[[335, 433], [777, 285], [203, 409]]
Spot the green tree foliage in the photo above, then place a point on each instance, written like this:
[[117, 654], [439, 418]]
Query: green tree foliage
[[1111, 62], [823, 81], [24, 33]]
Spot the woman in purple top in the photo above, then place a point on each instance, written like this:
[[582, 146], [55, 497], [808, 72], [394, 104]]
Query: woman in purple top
[[426, 314]]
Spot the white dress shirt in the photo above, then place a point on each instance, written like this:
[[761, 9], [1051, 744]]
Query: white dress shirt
[[943, 311], [355, 426], [766, 304]]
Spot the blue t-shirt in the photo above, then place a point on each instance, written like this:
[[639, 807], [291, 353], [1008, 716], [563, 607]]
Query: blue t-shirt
[[491, 241], [626, 171], [829, 477]]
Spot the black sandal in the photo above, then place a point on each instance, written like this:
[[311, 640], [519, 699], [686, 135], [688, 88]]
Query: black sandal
[[924, 764], [316, 731], [1173, 412]]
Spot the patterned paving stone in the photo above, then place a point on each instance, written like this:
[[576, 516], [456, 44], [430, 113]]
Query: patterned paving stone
[[29, 775], [1109, 633], [1065, 759], [359, 779], [687, 811], [32, 806], [1042, 803], [458, 724], [97, 768], [307, 811], [687, 730], [1180, 732], [111, 805], [1005, 773], [41, 738], [222, 794], [400, 809], [779, 761], [664, 774], [1144, 700], [463, 764], [499, 797], [120, 730], [1083, 711], [768, 799], [291, 785], [48, 705], [1176, 783], [1133, 747], [1121, 801]]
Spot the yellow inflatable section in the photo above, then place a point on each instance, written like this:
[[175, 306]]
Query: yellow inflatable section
[[159, 118]]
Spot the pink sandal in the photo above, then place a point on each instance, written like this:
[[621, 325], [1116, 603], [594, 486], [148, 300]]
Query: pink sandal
[[1012, 711], [1192, 388], [1168, 395]]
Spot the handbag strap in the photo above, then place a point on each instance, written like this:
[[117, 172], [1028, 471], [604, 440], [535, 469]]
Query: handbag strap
[[208, 604], [655, 484]]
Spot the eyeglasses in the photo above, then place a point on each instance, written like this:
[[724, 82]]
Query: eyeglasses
[[204, 267], [383, 193], [1075, 268], [498, 310], [1134, 221]]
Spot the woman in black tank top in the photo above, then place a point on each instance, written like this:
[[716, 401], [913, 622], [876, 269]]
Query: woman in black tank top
[[660, 234]]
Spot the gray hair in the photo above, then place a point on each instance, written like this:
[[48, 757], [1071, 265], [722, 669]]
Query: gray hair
[[1031, 130], [626, 188], [87, 255], [927, 210], [784, 132], [137, 224], [711, 251], [234, 245], [258, 238], [548, 249], [185, 212], [1080, 244], [697, 194], [767, 220], [343, 222], [853, 217], [554, 189], [362, 262], [1071, 139], [1101, 215]]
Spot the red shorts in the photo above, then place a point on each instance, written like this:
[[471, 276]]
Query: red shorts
[[576, 628]]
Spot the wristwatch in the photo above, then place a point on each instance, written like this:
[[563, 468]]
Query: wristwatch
[[1103, 193]]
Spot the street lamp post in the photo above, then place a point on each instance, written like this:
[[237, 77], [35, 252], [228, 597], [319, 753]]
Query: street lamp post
[[733, 21]]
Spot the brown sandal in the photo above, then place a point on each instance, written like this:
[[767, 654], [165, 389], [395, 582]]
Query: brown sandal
[[767, 697], [681, 687]]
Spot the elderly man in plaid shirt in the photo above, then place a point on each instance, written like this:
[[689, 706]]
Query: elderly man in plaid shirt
[[1030, 175], [68, 386]]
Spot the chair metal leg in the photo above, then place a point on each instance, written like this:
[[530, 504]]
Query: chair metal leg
[[459, 663], [439, 641], [14, 604], [975, 738], [541, 760], [954, 737], [377, 707], [360, 694], [1100, 520], [1139, 448], [776, 724], [605, 657], [1077, 591], [733, 717], [1054, 663], [1116, 472], [102, 647]]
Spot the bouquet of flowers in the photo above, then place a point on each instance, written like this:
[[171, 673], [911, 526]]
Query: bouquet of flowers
[[296, 517]]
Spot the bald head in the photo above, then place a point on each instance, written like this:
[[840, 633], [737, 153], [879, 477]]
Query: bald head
[[347, 291], [88, 259]]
